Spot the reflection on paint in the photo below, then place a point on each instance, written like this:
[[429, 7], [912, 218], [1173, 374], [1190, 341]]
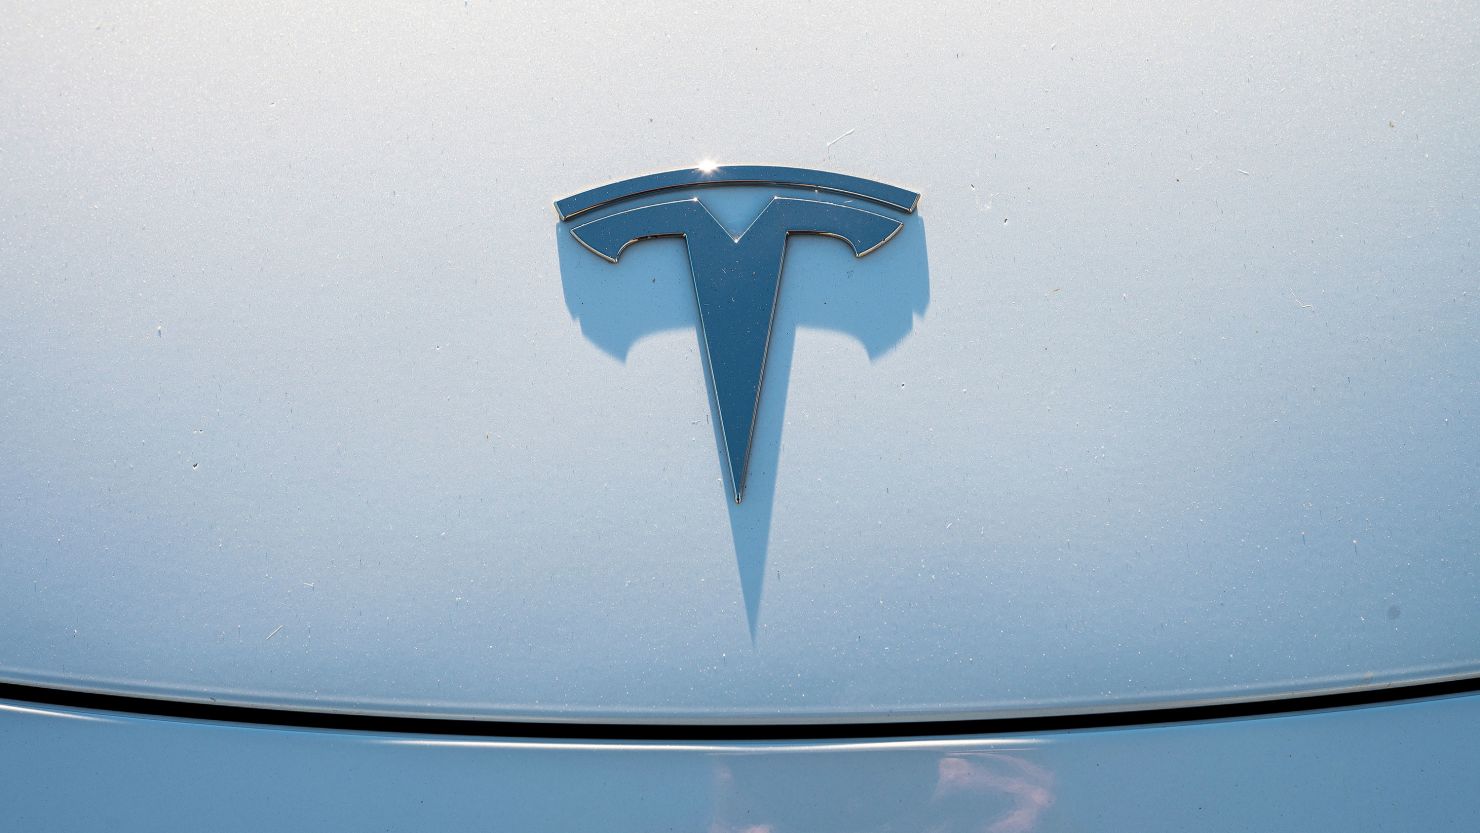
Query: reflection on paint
[[912, 789], [1028, 785]]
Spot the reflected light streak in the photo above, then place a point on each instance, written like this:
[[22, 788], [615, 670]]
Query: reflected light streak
[[67, 715], [963, 745]]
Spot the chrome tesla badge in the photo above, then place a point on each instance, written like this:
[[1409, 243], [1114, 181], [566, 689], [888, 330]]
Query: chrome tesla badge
[[737, 279]]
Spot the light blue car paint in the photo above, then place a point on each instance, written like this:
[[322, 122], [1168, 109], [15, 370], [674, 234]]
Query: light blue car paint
[[1396, 768], [1165, 395]]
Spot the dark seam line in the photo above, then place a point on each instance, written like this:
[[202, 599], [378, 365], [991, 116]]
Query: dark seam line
[[902, 729]]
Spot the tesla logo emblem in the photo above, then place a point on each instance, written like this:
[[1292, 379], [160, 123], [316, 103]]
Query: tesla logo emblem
[[737, 280]]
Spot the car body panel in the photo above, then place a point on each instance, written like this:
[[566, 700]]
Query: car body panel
[[1391, 768], [310, 401]]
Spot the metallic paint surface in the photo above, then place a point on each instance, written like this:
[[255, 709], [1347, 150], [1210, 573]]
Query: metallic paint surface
[[1397, 768], [299, 403]]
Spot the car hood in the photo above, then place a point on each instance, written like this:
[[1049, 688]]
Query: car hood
[[310, 400]]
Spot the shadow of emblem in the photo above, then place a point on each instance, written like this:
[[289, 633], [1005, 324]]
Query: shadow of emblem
[[746, 320]]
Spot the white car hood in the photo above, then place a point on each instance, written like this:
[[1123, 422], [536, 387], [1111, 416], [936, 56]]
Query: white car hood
[[308, 399]]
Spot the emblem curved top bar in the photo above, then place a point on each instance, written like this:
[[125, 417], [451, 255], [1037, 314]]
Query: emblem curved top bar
[[888, 195]]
